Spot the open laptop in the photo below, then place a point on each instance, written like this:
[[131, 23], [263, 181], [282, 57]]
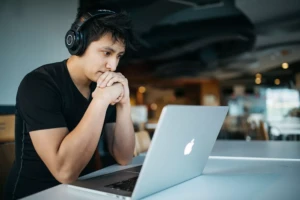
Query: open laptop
[[180, 147]]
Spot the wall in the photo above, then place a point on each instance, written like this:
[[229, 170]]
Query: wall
[[32, 34]]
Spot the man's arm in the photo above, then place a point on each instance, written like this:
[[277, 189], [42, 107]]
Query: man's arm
[[120, 136], [122, 142], [66, 154]]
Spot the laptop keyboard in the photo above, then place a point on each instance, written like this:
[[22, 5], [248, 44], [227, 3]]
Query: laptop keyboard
[[126, 185]]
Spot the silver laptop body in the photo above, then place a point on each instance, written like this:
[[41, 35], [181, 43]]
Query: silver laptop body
[[180, 147]]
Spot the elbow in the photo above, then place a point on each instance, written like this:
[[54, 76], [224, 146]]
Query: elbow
[[124, 162], [66, 177], [66, 180], [123, 158]]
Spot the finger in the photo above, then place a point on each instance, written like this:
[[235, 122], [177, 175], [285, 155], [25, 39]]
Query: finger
[[119, 98], [113, 80], [123, 81], [105, 81], [120, 74], [117, 101], [102, 78]]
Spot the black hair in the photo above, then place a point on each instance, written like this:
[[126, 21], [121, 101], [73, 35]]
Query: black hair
[[118, 24]]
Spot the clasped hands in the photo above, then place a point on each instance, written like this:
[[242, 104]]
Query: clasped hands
[[115, 85]]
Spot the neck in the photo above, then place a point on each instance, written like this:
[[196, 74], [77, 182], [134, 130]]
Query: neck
[[75, 68]]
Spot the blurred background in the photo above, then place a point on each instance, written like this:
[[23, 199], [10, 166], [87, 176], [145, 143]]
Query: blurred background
[[240, 53]]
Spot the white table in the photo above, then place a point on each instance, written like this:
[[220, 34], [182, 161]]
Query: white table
[[240, 179], [285, 128], [257, 149], [247, 170]]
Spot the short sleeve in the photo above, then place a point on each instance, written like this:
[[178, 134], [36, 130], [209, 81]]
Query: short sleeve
[[111, 114], [39, 102]]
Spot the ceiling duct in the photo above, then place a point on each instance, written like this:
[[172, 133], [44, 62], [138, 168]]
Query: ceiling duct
[[199, 4]]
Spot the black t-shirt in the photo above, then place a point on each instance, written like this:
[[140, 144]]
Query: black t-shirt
[[47, 98]]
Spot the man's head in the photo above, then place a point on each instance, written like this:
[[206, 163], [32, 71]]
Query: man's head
[[91, 25], [104, 37]]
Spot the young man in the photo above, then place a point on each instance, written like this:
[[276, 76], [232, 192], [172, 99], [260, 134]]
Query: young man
[[63, 109]]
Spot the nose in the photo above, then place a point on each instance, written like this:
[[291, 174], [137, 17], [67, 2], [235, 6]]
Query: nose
[[112, 64]]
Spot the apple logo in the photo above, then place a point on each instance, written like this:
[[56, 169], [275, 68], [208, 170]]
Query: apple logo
[[189, 147]]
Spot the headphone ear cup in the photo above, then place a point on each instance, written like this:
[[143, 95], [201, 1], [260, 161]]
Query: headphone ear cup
[[70, 41], [81, 43], [73, 42]]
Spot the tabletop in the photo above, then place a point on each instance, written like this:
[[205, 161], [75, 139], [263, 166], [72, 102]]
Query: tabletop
[[235, 170]]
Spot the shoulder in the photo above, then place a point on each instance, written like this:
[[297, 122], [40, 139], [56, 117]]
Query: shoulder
[[42, 80], [51, 70], [45, 73]]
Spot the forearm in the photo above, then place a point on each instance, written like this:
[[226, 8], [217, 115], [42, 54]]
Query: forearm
[[78, 146], [124, 140]]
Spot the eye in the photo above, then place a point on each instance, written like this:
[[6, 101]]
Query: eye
[[106, 53]]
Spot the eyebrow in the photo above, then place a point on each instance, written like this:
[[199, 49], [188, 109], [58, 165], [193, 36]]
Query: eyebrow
[[113, 50]]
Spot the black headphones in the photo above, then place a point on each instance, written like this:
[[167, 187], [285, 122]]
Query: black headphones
[[74, 39]]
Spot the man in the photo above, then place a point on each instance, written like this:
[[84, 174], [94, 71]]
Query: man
[[63, 109]]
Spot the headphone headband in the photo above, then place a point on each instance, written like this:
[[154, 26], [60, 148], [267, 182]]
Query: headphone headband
[[89, 15]]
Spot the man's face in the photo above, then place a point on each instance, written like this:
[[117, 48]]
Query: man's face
[[101, 56]]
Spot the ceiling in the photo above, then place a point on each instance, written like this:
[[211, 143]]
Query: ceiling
[[213, 39]]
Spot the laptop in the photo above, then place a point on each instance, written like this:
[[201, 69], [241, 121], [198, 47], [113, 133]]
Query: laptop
[[179, 150]]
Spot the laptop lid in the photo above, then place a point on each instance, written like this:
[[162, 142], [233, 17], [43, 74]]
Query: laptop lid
[[180, 147]]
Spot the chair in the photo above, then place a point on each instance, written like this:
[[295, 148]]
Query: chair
[[263, 131], [142, 142], [7, 147], [7, 128], [7, 157], [251, 130]]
